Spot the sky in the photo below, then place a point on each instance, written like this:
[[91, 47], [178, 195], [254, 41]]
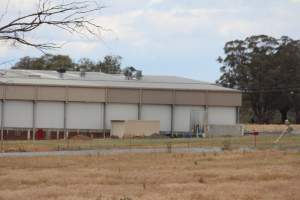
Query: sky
[[165, 37]]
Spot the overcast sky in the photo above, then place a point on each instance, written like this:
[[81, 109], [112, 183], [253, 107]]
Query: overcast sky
[[169, 37]]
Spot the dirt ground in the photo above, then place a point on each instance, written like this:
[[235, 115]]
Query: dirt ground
[[230, 175]]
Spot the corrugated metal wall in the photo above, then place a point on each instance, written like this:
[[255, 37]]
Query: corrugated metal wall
[[18, 114], [84, 115], [222, 115], [185, 116], [50, 115], [83, 108], [120, 112], [158, 112]]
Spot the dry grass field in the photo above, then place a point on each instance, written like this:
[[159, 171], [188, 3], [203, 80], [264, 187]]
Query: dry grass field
[[267, 174]]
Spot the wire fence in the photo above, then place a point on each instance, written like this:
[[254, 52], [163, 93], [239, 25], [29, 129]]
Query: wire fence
[[258, 142]]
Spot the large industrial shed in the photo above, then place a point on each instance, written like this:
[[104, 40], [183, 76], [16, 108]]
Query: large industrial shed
[[62, 104]]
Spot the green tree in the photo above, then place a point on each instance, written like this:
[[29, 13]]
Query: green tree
[[24, 63], [86, 64], [45, 62], [248, 66], [267, 70], [111, 64], [288, 62]]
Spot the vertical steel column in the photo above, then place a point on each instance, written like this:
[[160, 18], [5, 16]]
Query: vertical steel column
[[172, 111], [28, 134], [205, 119], [140, 105], [104, 119], [206, 115], [66, 133], [65, 119], [57, 135], [206, 112], [104, 112], [33, 119], [2, 123], [139, 110], [172, 119], [237, 115]]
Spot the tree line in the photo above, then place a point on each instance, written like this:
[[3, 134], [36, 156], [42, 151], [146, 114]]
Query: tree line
[[111, 64], [267, 70]]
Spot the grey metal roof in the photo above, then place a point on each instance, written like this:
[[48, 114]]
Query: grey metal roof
[[98, 79]]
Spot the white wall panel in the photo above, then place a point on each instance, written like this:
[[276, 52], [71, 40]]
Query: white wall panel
[[222, 115], [84, 115], [158, 112], [185, 116], [120, 112], [18, 114], [49, 115]]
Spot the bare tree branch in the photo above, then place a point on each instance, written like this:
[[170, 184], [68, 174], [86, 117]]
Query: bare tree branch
[[73, 17]]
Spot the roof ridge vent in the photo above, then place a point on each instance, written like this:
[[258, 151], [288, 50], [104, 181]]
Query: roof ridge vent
[[131, 73], [82, 73], [139, 74], [61, 72]]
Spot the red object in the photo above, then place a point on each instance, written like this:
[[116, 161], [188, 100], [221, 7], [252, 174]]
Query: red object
[[255, 134], [40, 134]]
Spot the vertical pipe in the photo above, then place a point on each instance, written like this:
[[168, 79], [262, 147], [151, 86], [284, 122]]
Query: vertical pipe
[[33, 119]]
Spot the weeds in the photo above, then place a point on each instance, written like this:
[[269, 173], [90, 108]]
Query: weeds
[[226, 145], [169, 147]]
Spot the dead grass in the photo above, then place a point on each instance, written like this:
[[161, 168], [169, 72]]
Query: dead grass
[[230, 175], [270, 128]]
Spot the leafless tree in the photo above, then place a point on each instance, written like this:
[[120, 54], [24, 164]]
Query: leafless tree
[[70, 16]]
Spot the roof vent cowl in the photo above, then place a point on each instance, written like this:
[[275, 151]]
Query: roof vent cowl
[[61, 72]]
